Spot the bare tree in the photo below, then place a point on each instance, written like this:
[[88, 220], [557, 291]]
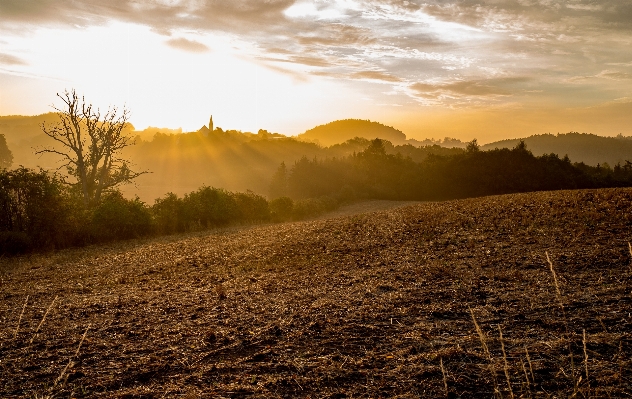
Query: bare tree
[[91, 146]]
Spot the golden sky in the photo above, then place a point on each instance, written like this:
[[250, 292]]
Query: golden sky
[[487, 69]]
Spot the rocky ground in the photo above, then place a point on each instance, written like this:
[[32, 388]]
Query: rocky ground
[[405, 302]]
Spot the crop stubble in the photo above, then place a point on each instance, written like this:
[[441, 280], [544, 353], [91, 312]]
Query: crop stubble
[[378, 304]]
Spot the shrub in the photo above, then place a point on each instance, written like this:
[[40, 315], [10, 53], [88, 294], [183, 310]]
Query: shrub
[[307, 208], [14, 242], [170, 215], [35, 211], [251, 207], [281, 209], [119, 218], [211, 206]]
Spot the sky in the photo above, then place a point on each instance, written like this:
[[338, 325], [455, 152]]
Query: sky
[[467, 69]]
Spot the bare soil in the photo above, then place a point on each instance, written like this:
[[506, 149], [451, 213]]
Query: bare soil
[[370, 305]]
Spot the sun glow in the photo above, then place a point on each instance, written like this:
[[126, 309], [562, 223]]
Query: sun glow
[[166, 86]]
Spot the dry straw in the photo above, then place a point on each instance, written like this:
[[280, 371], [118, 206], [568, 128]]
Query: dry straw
[[526, 351], [557, 285], [502, 344], [568, 335], [481, 336], [43, 318], [526, 376], [17, 328], [70, 363], [586, 362], [445, 379]]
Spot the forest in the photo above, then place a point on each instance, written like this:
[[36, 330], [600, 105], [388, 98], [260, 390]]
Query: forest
[[374, 173]]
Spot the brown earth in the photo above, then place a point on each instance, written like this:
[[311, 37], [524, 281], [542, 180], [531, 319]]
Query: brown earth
[[366, 306]]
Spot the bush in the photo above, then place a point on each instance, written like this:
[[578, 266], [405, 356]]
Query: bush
[[252, 207], [14, 242], [307, 208], [211, 207], [35, 211], [170, 215], [281, 209], [118, 218]]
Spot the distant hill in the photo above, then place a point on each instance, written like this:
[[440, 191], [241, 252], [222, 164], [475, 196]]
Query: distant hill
[[580, 147], [24, 135], [17, 128], [338, 132]]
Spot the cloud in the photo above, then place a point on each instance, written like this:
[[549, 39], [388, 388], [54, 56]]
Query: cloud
[[614, 75], [467, 88], [375, 75], [8, 59], [310, 61], [234, 15], [299, 59], [187, 45], [585, 7], [439, 49], [338, 35]]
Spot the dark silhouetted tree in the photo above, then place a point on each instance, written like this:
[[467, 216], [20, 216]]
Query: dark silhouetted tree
[[91, 145], [6, 157], [279, 184], [472, 146]]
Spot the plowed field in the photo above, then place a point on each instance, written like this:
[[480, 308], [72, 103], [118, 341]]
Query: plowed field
[[378, 304]]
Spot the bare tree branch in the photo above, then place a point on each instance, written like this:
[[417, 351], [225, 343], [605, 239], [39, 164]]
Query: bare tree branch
[[90, 144]]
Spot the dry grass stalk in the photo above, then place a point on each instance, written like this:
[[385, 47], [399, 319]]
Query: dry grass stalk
[[530, 364], [445, 379], [586, 363], [43, 318], [568, 335], [63, 372], [502, 345], [17, 328], [526, 376], [630, 248], [481, 336], [557, 285]]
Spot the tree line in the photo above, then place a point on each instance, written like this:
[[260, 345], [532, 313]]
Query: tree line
[[376, 174], [38, 212]]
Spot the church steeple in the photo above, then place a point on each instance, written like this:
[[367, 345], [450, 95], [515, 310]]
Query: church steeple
[[210, 124]]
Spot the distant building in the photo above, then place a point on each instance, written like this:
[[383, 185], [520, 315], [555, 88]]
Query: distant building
[[206, 130]]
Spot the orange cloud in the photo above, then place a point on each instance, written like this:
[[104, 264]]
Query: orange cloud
[[187, 45], [482, 88], [375, 75]]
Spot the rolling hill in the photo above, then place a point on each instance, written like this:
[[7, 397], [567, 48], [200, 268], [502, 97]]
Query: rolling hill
[[580, 147], [338, 132]]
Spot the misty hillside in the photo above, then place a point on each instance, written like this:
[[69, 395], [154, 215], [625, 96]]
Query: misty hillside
[[17, 128], [24, 136], [239, 161], [340, 131], [183, 162], [580, 147]]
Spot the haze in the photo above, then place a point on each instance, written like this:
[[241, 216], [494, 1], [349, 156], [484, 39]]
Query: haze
[[486, 69]]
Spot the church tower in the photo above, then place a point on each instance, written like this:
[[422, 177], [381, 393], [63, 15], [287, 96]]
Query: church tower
[[210, 124]]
